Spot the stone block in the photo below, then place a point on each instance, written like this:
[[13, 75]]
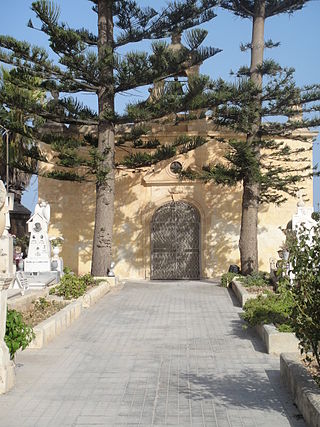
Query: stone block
[[67, 314], [75, 310], [112, 281], [7, 377], [61, 322], [304, 390], [241, 293], [277, 342], [37, 342], [49, 330], [86, 300]]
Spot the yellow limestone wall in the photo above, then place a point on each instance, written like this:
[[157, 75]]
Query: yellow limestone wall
[[140, 193]]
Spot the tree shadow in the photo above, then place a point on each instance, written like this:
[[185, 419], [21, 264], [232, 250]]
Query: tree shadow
[[72, 217], [244, 389], [240, 329], [138, 194]]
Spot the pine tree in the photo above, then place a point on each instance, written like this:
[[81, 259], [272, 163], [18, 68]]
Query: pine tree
[[258, 11], [24, 152], [90, 63], [263, 161]]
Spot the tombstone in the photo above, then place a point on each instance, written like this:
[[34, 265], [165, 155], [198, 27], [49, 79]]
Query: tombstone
[[39, 253], [6, 240], [6, 278]]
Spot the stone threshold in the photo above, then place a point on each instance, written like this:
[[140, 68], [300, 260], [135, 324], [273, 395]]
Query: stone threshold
[[275, 342], [304, 390], [47, 330]]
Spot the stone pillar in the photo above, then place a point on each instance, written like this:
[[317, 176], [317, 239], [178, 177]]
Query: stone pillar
[[6, 365]]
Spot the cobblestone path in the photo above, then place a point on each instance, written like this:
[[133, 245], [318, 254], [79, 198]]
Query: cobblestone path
[[152, 354]]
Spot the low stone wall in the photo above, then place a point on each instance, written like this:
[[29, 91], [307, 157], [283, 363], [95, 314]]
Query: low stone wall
[[23, 303], [47, 330], [277, 342], [305, 392], [241, 293]]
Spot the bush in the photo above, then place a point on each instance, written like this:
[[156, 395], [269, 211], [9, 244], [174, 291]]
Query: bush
[[270, 308], [305, 261], [72, 286], [260, 280], [227, 278], [18, 333]]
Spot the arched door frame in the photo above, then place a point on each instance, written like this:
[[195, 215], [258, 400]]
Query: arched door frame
[[195, 252]]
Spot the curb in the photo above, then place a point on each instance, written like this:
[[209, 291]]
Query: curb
[[47, 330], [277, 342], [240, 292], [304, 390]]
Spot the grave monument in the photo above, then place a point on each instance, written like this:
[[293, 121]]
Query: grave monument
[[6, 278], [39, 254], [39, 267]]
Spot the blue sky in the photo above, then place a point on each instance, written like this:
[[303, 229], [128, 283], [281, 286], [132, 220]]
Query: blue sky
[[299, 35]]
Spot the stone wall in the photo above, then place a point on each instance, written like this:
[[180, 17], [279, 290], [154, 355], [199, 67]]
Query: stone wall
[[140, 193]]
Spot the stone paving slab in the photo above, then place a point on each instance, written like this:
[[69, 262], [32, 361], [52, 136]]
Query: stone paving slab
[[152, 354]]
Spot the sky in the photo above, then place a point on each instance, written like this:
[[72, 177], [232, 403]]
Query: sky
[[299, 35]]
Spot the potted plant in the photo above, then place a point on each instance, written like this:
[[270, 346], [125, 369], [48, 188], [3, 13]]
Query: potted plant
[[56, 243]]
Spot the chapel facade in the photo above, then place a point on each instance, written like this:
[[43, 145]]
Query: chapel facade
[[165, 227]]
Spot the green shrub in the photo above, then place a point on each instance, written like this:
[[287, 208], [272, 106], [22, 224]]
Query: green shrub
[[270, 308], [18, 333], [305, 261], [260, 279], [41, 304], [72, 286], [227, 278]]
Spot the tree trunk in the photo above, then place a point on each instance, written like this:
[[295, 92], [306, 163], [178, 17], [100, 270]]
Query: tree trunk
[[102, 240], [251, 188]]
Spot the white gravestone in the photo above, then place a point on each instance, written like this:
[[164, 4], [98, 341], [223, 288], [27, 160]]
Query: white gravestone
[[6, 240], [6, 365], [38, 260]]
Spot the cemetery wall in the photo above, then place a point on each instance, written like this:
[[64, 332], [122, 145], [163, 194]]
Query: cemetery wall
[[140, 193]]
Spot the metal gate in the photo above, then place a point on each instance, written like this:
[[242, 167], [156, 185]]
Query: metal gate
[[175, 242]]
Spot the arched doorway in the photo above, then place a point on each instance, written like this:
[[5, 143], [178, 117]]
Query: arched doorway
[[175, 242]]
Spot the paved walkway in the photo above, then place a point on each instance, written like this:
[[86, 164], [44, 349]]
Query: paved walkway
[[152, 354]]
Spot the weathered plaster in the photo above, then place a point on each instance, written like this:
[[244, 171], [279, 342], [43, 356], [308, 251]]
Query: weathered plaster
[[140, 193]]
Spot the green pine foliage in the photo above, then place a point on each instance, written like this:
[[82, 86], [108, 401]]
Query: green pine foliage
[[37, 83], [281, 167], [24, 152], [95, 63], [267, 111]]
